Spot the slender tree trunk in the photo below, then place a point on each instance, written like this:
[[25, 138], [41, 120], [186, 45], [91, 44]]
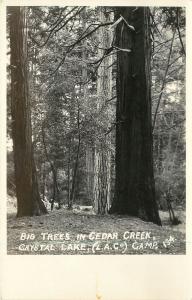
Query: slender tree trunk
[[53, 170], [28, 198], [44, 181], [69, 172], [89, 171], [75, 171], [55, 188], [135, 187], [102, 155]]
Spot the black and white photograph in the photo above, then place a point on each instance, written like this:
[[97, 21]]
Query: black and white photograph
[[95, 151], [96, 148]]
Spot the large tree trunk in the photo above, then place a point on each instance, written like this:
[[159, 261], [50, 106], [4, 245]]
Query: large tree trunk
[[28, 198], [102, 155], [135, 188], [89, 151]]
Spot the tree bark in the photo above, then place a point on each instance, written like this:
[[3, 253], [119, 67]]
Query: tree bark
[[89, 171], [102, 154], [75, 171], [69, 173], [28, 198], [89, 151], [134, 187], [53, 170], [43, 181]]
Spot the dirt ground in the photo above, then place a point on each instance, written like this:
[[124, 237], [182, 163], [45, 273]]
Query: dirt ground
[[80, 232]]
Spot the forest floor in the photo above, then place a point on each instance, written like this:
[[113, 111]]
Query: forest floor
[[81, 232]]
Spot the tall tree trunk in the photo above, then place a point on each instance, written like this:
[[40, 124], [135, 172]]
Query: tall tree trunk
[[69, 173], [135, 187], [53, 170], [89, 171], [28, 198], [102, 155], [89, 150], [43, 181], [55, 197], [75, 171]]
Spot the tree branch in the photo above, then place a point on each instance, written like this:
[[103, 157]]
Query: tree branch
[[179, 33], [72, 46], [155, 25], [75, 14], [164, 81], [58, 19], [106, 53], [54, 27]]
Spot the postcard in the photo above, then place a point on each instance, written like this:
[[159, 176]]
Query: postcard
[[95, 152]]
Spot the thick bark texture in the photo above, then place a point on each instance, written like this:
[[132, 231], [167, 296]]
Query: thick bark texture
[[135, 188], [102, 153], [89, 151], [28, 198]]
